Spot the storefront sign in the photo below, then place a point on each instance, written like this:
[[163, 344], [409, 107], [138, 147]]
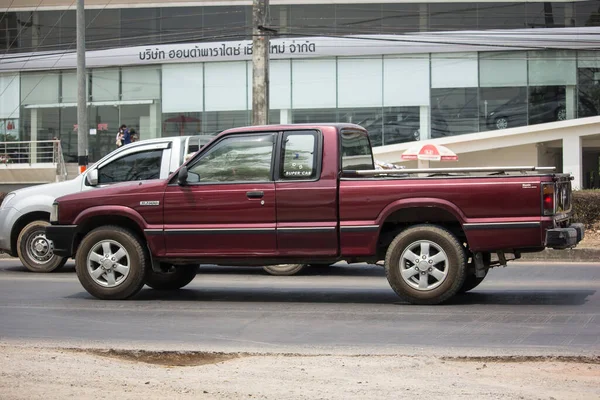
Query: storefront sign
[[292, 48]]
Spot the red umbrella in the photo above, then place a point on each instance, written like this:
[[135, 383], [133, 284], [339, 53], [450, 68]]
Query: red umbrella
[[429, 152], [181, 120]]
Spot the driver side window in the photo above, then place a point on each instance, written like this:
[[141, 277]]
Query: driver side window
[[132, 167], [235, 159]]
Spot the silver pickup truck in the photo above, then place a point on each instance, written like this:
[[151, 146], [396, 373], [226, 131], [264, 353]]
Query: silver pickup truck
[[25, 213]]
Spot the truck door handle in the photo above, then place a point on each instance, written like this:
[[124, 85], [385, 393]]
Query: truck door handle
[[255, 194]]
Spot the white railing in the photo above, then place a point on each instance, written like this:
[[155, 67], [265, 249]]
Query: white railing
[[34, 152]]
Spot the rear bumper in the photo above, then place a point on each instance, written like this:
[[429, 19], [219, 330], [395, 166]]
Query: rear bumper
[[564, 238], [63, 238]]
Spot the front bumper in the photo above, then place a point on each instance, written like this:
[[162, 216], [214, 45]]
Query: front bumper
[[564, 238], [63, 238], [8, 217]]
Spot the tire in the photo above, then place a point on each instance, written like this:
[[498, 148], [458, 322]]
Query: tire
[[35, 251], [284, 269], [501, 123], [440, 275], [175, 278], [123, 277], [561, 114]]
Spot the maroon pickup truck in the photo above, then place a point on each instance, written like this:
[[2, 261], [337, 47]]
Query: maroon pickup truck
[[309, 194]]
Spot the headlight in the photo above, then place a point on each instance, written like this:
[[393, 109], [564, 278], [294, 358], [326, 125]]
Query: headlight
[[54, 213], [7, 200]]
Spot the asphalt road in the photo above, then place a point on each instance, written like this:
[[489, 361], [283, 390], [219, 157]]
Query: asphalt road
[[549, 308]]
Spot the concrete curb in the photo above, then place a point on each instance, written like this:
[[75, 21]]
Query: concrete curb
[[583, 254]]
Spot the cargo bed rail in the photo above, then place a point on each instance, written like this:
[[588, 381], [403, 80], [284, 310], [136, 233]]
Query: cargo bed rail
[[442, 171]]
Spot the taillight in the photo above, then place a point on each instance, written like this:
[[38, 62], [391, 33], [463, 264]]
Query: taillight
[[548, 198]]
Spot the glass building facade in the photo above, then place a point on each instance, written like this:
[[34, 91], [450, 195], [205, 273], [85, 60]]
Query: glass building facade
[[397, 97]]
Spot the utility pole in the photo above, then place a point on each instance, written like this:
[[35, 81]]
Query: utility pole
[[82, 124], [260, 63]]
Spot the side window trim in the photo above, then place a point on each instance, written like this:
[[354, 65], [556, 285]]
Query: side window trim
[[165, 163], [205, 150], [318, 160]]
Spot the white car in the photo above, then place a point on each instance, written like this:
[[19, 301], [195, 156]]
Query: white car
[[25, 213]]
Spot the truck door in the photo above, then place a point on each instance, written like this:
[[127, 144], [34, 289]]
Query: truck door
[[306, 196], [227, 207]]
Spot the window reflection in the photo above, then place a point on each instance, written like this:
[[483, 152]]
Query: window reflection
[[503, 107], [547, 104], [456, 107]]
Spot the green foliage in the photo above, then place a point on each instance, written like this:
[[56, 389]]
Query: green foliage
[[586, 207]]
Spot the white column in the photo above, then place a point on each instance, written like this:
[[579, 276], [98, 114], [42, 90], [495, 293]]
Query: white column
[[569, 14], [154, 123], [572, 159], [570, 101], [423, 18], [285, 116], [283, 20], [423, 164], [34, 135], [424, 122]]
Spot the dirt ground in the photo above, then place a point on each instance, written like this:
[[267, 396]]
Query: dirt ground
[[53, 373]]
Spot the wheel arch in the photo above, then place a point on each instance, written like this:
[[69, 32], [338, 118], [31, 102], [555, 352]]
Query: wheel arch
[[21, 223], [406, 213], [93, 218]]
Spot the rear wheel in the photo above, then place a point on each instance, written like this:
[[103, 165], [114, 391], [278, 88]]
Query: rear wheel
[[284, 269], [174, 277], [425, 264], [111, 263], [35, 251]]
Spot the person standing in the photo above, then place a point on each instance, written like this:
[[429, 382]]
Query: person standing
[[126, 136], [120, 135]]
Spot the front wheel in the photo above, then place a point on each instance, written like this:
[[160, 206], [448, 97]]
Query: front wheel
[[111, 263], [35, 251], [175, 277], [425, 264], [501, 122]]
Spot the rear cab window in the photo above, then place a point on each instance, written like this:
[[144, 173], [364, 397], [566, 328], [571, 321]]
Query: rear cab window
[[355, 152]]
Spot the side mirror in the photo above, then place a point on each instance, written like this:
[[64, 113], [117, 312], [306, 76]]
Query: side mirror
[[182, 176], [92, 177]]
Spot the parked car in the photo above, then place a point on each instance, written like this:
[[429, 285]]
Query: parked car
[[24, 213], [543, 106], [300, 194], [391, 130]]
